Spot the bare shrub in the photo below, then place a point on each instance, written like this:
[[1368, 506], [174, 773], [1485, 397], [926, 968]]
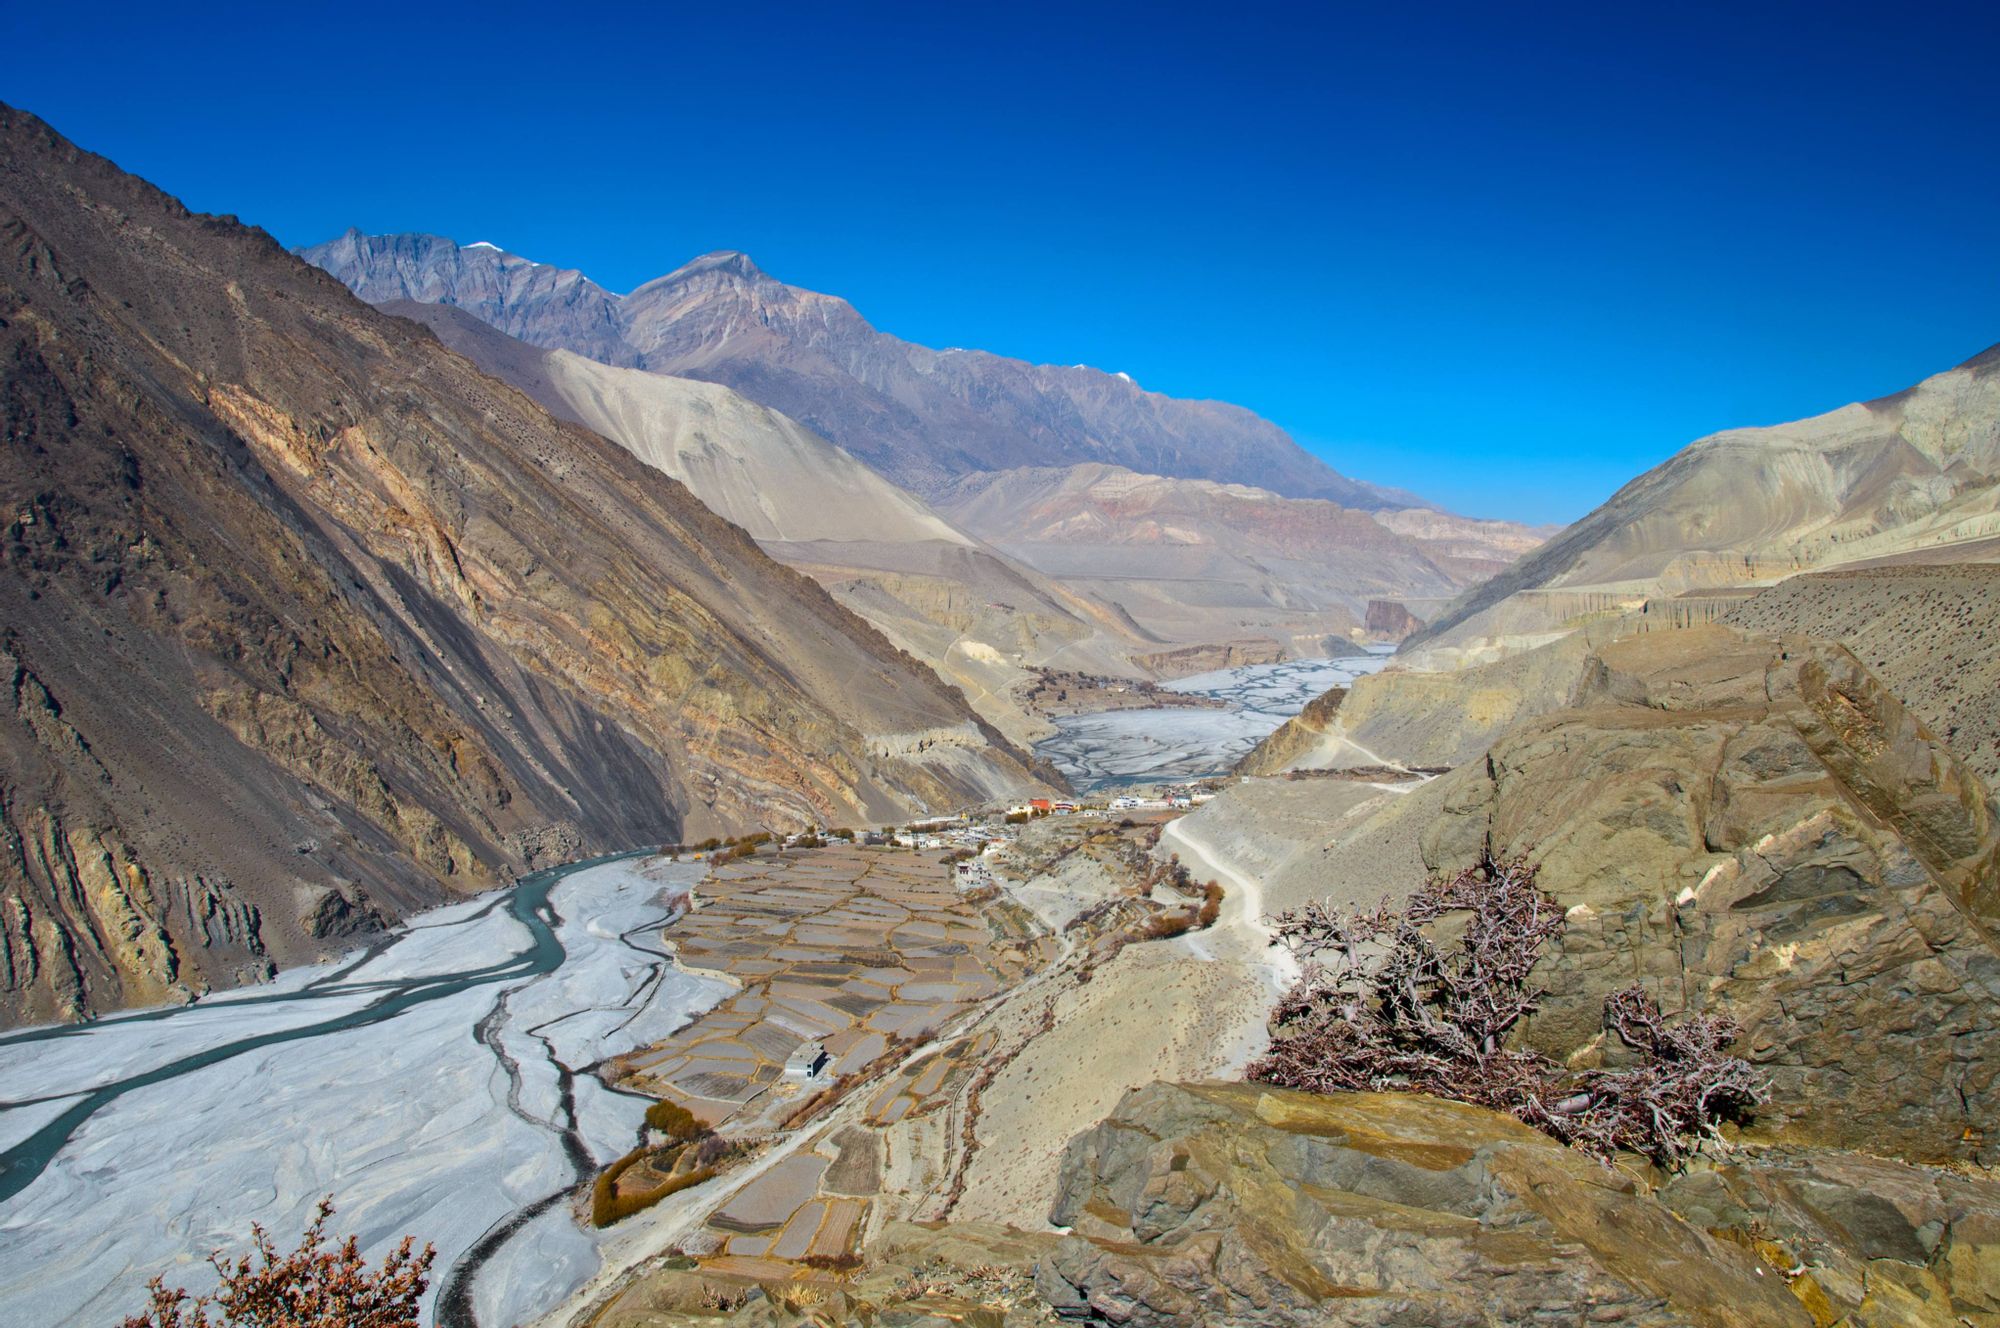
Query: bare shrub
[[708, 1152], [725, 1300], [314, 1286], [1211, 904], [1384, 1004]]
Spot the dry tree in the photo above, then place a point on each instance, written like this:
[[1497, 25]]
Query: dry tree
[[314, 1286], [1422, 998]]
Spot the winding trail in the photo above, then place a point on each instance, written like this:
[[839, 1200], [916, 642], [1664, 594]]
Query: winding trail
[[1239, 937]]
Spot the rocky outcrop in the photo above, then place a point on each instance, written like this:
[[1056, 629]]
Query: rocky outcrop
[[1760, 828], [1931, 634], [305, 623], [1187, 661], [1214, 1204], [1297, 736], [1229, 1204], [1424, 719], [1389, 620], [1862, 1240]]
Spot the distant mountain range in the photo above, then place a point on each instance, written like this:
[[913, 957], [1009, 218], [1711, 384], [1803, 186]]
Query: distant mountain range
[[1090, 567], [921, 417], [1912, 477]]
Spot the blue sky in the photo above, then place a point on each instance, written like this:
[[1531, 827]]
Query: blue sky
[[1506, 259]]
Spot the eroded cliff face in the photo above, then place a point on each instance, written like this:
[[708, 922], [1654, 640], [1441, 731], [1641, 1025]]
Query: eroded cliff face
[[1297, 737], [304, 623], [1213, 1204]]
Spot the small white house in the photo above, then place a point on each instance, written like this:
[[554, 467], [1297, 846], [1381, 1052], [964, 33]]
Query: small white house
[[807, 1061]]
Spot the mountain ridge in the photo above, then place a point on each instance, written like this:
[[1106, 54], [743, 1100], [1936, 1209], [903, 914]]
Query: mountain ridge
[[980, 620], [1197, 560], [1910, 474], [921, 417]]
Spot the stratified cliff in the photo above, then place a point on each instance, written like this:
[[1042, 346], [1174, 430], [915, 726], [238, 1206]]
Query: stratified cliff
[[304, 623]]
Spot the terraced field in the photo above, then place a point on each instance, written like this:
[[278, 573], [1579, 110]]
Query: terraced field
[[926, 1000], [863, 950]]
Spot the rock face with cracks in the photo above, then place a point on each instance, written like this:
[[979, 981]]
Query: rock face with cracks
[[1213, 1204], [1231, 1204]]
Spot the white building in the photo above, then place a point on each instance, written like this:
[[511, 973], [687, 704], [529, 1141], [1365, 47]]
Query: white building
[[807, 1061]]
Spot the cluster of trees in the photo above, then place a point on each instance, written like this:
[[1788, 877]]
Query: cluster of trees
[[1392, 999], [1179, 921], [740, 846], [693, 1151]]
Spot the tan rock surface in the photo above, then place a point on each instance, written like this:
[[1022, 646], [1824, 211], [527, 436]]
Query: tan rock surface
[[1931, 634], [1758, 827], [1233, 1204]]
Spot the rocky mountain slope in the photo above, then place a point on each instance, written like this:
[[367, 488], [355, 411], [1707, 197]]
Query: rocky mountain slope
[[747, 463], [1195, 560], [1927, 632], [307, 623], [1909, 476], [1758, 825], [1932, 634], [983, 621], [921, 417]]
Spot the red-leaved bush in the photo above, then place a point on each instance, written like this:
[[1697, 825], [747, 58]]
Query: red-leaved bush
[[314, 1286], [1384, 1003]]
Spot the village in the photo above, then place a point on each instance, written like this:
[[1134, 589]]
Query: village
[[971, 838]]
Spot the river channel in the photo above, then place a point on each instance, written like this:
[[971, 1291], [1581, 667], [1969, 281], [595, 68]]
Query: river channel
[[437, 1084], [1154, 745]]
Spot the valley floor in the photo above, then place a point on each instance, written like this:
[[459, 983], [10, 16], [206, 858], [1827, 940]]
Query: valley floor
[[965, 1115], [1129, 746], [439, 1084]]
